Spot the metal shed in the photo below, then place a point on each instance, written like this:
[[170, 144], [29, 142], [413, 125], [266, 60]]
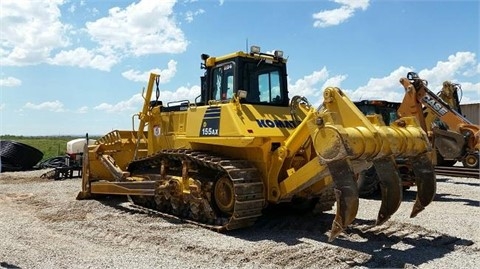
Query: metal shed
[[471, 112]]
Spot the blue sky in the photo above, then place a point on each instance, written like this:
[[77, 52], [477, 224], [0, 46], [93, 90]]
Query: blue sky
[[76, 67]]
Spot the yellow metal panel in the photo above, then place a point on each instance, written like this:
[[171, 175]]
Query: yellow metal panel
[[144, 188], [222, 141], [213, 60], [311, 173], [243, 120], [267, 121]]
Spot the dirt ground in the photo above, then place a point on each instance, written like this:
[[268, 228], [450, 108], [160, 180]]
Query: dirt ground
[[43, 226]]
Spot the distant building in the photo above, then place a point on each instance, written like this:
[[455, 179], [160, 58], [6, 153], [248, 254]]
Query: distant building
[[471, 112]]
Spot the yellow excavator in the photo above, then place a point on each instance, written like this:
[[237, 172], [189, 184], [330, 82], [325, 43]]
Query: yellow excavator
[[243, 145]]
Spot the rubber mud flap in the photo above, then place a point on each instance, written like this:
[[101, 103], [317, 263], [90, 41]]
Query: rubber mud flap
[[390, 186], [426, 182], [346, 194]]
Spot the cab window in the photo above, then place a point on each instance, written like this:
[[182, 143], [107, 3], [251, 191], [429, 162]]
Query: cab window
[[223, 82], [263, 83], [269, 87]]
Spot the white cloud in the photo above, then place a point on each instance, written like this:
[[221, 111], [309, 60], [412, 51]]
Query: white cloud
[[55, 106], [2, 106], [132, 104], [312, 86], [145, 27], [354, 4], [386, 88], [34, 30], [83, 57], [189, 15], [36, 34], [72, 8], [389, 87], [93, 11], [472, 72], [82, 110], [182, 93], [335, 81], [471, 87], [461, 62], [467, 88], [165, 75], [326, 18], [10, 82], [135, 103], [308, 86]]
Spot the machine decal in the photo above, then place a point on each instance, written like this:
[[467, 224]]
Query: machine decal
[[264, 123], [156, 130], [436, 106], [211, 122]]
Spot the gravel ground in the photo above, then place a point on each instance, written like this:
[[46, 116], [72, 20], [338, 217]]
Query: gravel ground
[[43, 226]]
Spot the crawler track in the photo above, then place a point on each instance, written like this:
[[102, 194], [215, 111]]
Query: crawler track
[[457, 171], [248, 187], [249, 200]]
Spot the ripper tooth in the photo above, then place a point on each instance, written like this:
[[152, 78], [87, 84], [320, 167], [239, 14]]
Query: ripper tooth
[[346, 194], [390, 185], [425, 181]]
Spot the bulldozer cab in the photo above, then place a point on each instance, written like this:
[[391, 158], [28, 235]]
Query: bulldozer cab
[[253, 78], [388, 110]]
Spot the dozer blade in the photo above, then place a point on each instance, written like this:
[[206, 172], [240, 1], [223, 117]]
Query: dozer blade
[[346, 194], [390, 186], [425, 181]]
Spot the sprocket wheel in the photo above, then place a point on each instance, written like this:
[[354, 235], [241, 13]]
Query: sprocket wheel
[[224, 195]]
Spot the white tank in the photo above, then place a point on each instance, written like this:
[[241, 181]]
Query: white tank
[[76, 145]]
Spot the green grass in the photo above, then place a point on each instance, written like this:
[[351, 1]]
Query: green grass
[[51, 146]]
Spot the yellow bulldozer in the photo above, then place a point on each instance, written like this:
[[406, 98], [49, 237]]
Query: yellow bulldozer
[[243, 145]]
